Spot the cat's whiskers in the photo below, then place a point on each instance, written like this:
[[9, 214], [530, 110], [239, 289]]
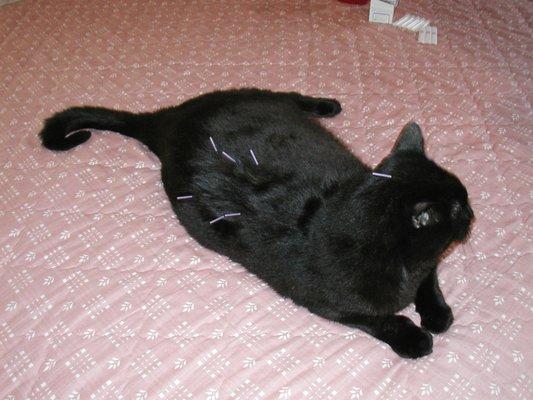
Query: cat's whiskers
[[184, 197]]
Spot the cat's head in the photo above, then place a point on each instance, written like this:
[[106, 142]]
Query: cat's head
[[430, 205]]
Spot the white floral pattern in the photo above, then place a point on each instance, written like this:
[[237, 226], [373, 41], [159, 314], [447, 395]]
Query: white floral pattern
[[104, 295]]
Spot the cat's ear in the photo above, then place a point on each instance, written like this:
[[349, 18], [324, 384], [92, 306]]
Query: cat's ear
[[425, 214], [410, 139]]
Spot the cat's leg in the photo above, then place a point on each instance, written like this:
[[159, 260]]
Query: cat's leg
[[436, 316], [399, 332], [315, 106]]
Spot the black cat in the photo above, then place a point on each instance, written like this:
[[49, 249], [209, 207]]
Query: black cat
[[253, 176]]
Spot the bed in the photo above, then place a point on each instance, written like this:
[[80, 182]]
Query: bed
[[103, 295]]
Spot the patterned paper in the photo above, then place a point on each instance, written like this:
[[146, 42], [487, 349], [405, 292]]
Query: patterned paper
[[104, 295]]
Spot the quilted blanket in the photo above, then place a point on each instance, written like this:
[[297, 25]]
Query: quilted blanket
[[103, 295]]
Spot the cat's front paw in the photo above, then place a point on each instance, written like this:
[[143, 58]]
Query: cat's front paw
[[412, 341], [437, 320]]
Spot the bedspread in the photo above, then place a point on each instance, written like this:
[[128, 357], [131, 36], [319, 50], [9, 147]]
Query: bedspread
[[103, 295]]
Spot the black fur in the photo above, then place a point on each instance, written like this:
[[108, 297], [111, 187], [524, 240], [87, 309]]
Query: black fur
[[315, 224]]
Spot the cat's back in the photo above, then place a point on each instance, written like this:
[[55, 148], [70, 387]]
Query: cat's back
[[274, 128]]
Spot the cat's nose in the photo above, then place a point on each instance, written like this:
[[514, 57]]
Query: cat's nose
[[469, 211], [462, 210]]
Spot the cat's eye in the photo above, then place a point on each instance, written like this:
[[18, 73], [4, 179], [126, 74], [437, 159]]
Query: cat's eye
[[421, 219], [425, 215]]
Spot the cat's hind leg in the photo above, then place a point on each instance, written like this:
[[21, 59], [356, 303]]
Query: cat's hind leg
[[320, 107]]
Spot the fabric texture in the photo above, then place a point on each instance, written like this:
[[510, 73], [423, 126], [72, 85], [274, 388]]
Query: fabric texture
[[104, 295], [4, 2]]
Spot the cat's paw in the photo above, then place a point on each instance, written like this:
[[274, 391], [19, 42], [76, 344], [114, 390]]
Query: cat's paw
[[328, 108], [412, 342], [438, 320]]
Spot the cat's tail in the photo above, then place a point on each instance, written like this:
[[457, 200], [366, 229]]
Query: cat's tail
[[69, 128]]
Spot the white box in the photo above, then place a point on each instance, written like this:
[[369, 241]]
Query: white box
[[381, 11], [428, 35], [411, 22]]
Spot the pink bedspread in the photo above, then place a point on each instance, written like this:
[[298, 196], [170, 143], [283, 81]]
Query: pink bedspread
[[104, 296]]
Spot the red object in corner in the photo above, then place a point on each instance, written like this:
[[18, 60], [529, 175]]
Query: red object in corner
[[359, 2]]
